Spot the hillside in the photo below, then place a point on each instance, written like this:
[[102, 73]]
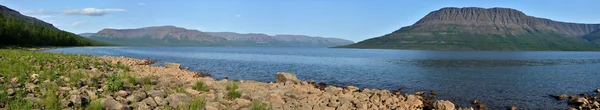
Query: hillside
[[24, 31], [593, 37], [176, 36], [484, 29], [259, 39], [158, 36]]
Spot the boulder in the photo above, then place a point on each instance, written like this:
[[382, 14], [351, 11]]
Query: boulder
[[576, 100], [75, 99], [443, 105], [172, 65], [155, 93], [121, 93], [481, 107], [283, 77], [111, 104], [160, 101], [414, 101], [178, 99], [149, 101], [208, 107], [242, 102], [598, 90]]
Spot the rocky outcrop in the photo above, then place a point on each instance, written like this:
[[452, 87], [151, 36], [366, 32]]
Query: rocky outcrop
[[283, 77], [172, 65]]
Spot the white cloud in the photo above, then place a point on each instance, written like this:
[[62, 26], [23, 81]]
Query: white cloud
[[39, 12], [77, 23], [141, 4], [92, 11]]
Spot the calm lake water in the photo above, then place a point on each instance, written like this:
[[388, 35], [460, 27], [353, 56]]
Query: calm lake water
[[498, 79]]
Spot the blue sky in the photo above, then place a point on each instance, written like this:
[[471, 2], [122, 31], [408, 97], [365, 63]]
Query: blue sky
[[349, 19]]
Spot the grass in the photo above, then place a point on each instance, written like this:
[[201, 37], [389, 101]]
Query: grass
[[115, 82], [20, 104], [195, 104], [232, 92], [199, 86], [95, 105], [51, 101], [256, 105]]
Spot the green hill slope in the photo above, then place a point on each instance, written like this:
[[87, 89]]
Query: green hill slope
[[24, 31]]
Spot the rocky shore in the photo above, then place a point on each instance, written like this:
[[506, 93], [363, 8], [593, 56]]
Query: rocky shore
[[37, 80]]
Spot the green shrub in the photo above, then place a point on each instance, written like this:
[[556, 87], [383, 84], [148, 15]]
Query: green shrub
[[232, 92], [50, 100], [20, 104], [195, 104], [199, 86], [114, 82], [256, 105], [95, 105]]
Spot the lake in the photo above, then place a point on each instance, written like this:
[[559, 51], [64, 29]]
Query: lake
[[498, 78]]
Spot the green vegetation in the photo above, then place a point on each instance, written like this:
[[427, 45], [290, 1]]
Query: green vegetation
[[454, 37], [256, 105], [115, 82], [16, 32], [199, 86], [195, 104], [95, 105], [232, 92], [48, 72]]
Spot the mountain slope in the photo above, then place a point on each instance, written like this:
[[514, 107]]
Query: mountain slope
[[86, 35], [176, 36], [593, 37], [258, 39], [484, 29], [20, 30], [158, 36]]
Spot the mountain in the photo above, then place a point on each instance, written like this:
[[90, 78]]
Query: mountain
[[24, 31], [259, 39], [86, 35], [473, 28], [158, 36], [176, 36], [593, 37]]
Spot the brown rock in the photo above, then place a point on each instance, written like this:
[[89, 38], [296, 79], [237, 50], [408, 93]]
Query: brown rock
[[112, 104], [178, 99], [513, 108], [481, 107], [414, 101], [242, 102], [576, 100], [149, 101], [156, 93], [121, 93], [443, 105], [560, 97], [208, 107], [283, 77], [160, 101], [598, 90], [172, 65]]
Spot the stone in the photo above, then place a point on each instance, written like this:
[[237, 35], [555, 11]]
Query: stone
[[112, 104], [283, 77], [149, 101], [14, 80], [275, 99], [598, 90], [34, 76], [576, 100], [10, 92], [33, 99], [332, 90], [172, 65], [191, 91], [476, 101], [139, 95], [75, 99], [242, 102], [121, 93], [443, 105], [155, 93], [351, 88], [160, 101], [121, 100], [92, 95], [560, 97], [481, 106], [208, 107], [513, 108], [142, 106], [178, 99], [414, 101]]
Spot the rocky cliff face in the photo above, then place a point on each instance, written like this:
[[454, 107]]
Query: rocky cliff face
[[474, 28]]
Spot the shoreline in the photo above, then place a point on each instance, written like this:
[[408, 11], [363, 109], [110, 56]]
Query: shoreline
[[158, 87]]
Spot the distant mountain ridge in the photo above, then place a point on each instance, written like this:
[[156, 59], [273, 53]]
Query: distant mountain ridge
[[473, 28], [173, 36]]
